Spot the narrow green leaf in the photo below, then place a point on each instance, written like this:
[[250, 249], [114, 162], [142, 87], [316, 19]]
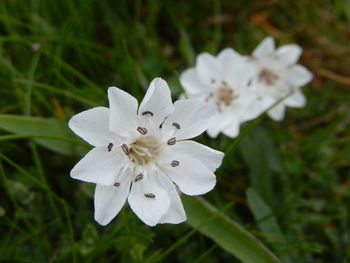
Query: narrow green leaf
[[48, 129], [225, 232], [261, 157], [264, 216], [267, 222]]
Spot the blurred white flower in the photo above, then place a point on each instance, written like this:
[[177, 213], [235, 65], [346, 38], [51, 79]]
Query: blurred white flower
[[277, 75], [141, 154], [223, 81]]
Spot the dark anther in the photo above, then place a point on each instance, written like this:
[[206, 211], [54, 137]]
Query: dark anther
[[150, 195], [176, 125], [138, 177], [116, 184], [147, 112], [142, 130], [175, 163], [125, 149], [110, 146], [172, 141]]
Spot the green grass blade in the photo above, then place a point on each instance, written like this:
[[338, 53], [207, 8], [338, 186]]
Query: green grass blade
[[225, 232], [39, 127]]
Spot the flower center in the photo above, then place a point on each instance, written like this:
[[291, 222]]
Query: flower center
[[268, 77], [143, 150], [223, 96]]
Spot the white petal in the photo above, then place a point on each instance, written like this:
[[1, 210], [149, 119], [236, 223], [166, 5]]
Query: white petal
[[227, 57], [123, 112], [209, 157], [289, 54], [157, 100], [99, 166], [110, 199], [208, 68], [193, 117], [192, 177], [92, 126], [298, 75], [192, 84], [277, 112], [253, 103], [265, 48], [220, 121], [296, 99], [232, 130], [176, 213], [149, 210]]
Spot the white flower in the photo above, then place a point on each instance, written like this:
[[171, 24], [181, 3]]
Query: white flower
[[277, 75], [223, 81], [141, 154]]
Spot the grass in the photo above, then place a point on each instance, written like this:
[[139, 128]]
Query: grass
[[58, 58]]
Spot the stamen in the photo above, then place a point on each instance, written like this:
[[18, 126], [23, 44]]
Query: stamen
[[147, 112], [176, 125], [267, 76], [142, 130], [150, 195], [175, 163], [116, 184], [172, 141], [223, 82], [125, 149], [110, 146], [139, 177]]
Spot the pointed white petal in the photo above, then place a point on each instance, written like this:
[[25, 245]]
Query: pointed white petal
[[110, 199], [232, 130], [208, 68], [99, 166], [227, 57], [176, 213], [92, 126], [296, 99], [265, 48], [288, 54], [220, 121], [192, 116], [157, 101], [152, 208], [192, 177], [277, 112], [209, 157], [123, 112], [192, 84], [252, 104], [298, 76]]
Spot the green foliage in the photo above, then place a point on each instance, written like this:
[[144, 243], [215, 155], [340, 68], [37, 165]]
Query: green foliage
[[58, 58]]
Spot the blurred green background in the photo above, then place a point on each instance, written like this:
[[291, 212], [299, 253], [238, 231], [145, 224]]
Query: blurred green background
[[58, 58]]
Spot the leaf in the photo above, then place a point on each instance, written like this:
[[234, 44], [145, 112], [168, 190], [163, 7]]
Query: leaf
[[264, 216], [49, 133], [225, 232], [261, 157], [267, 222]]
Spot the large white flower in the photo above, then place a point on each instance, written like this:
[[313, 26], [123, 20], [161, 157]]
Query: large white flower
[[141, 154], [223, 81], [277, 75]]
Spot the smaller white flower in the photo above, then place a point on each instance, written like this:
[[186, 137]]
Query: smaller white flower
[[223, 81], [142, 154], [277, 75]]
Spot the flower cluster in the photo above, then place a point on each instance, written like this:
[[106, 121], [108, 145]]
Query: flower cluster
[[243, 87], [143, 155]]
